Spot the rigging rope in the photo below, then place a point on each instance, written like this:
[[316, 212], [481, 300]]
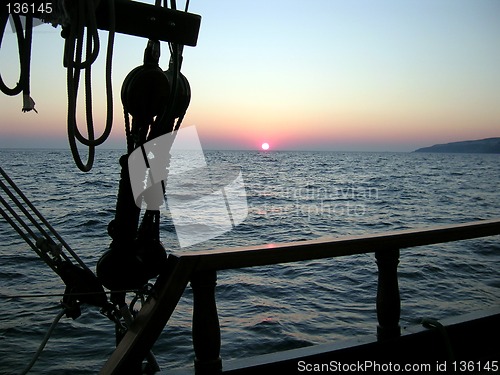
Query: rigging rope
[[27, 220], [36, 219], [84, 16], [44, 342], [153, 99], [431, 323], [45, 295], [24, 52]]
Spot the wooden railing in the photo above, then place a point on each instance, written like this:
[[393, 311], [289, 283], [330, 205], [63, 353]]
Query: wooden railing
[[201, 268]]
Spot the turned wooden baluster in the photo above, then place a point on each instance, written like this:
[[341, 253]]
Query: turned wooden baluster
[[206, 330], [388, 300]]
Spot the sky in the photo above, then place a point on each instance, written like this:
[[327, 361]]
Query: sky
[[357, 75]]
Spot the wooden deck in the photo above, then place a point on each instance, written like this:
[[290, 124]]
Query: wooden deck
[[468, 334]]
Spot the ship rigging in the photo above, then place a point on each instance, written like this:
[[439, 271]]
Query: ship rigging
[[154, 102]]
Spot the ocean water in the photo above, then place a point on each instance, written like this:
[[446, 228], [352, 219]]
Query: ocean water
[[292, 196]]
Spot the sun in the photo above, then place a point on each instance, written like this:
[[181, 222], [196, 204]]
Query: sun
[[265, 146]]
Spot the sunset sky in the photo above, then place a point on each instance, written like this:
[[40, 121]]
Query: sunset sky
[[361, 75]]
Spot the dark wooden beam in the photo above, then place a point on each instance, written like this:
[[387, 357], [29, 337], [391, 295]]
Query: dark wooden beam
[[200, 267], [136, 18], [388, 298], [268, 254], [206, 329], [152, 318]]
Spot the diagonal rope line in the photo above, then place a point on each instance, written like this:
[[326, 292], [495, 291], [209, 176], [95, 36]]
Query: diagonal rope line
[[23, 235], [44, 342], [45, 295], [21, 203]]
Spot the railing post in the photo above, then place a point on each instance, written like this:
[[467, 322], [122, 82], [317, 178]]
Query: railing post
[[388, 300], [206, 330]]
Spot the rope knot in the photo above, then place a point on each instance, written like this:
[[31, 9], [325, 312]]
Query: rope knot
[[28, 103]]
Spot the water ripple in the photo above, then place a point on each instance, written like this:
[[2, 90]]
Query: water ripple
[[292, 196]]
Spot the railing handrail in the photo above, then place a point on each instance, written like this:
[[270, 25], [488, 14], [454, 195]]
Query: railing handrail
[[200, 268], [328, 247]]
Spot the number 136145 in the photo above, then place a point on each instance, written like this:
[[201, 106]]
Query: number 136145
[[28, 8]]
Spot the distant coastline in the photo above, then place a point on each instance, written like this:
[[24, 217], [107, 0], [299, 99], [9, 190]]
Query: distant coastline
[[480, 146]]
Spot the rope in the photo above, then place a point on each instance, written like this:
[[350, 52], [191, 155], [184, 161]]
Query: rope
[[86, 17], [24, 52], [28, 103], [165, 122], [27, 240], [125, 314], [129, 318], [430, 323], [128, 134], [44, 342], [20, 39], [44, 256], [35, 218], [20, 296]]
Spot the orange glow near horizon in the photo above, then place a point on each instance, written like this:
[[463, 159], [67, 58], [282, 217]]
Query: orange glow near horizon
[[359, 85], [232, 131]]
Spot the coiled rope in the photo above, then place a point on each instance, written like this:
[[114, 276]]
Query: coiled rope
[[24, 52], [83, 16]]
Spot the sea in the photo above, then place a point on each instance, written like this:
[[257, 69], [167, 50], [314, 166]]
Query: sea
[[291, 196]]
